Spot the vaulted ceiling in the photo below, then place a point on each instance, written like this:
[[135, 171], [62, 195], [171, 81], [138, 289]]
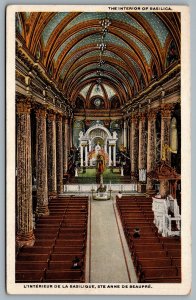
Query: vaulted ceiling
[[67, 45]]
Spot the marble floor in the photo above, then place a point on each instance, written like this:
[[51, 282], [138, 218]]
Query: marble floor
[[109, 256]]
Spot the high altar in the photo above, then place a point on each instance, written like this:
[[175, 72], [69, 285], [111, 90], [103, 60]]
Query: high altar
[[89, 148]]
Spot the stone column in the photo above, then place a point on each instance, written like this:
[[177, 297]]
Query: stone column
[[165, 128], [70, 133], [164, 188], [114, 155], [89, 146], [41, 163], [24, 235], [151, 144], [110, 155], [51, 138], [81, 156], [105, 147], [59, 154], [142, 152], [86, 155], [134, 146], [65, 145], [125, 134]]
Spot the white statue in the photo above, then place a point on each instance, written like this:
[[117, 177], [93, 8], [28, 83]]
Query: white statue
[[97, 148], [76, 172], [122, 171]]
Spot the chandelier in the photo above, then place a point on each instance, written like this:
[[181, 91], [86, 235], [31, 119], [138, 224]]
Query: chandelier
[[105, 23]]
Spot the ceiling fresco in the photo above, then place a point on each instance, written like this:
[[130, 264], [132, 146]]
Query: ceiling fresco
[[120, 49]]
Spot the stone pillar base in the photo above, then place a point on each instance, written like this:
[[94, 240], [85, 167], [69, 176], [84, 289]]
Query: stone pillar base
[[60, 189], [52, 195], [25, 239], [141, 187], [42, 211]]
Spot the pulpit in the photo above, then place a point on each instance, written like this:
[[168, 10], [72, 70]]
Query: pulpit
[[168, 178]]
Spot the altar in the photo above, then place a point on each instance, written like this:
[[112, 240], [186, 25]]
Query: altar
[[97, 140]]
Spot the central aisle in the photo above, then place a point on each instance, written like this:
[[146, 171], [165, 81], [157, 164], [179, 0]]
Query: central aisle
[[108, 262]]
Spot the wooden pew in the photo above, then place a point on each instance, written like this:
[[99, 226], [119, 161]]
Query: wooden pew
[[147, 247], [61, 265], [32, 257], [28, 266], [149, 254], [44, 243], [64, 243], [29, 276], [66, 257], [167, 272], [176, 261], [154, 262], [68, 249], [174, 253], [64, 276], [36, 250]]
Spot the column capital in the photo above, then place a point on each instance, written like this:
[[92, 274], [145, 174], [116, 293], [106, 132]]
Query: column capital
[[51, 115], [166, 110], [65, 119], [23, 106], [134, 118], [142, 116], [40, 111], [152, 113], [59, 118]]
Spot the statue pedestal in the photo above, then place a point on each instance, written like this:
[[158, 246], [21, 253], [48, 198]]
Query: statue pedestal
[[101, 196]]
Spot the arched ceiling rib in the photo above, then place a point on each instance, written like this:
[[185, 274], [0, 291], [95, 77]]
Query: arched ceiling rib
[[69, 47]]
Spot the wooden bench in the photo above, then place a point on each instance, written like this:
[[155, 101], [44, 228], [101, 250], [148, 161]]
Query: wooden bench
[[149, 254], [44, 243], [68, 249], [73, 230], [32, 257], [149, 273], [49, 218], [45, 230], [60, 265], [170, 246], [174, 253], [64, 276], [154, 262], [176, 261], [142, 241], [49, 221], [64, 243], [29, 276], [36, 250], [148, 247], [176, 279], [45, 235], [28, 266], [66, 257]]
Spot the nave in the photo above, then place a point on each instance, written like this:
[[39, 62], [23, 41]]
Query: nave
[[100, 235], [97, 116]]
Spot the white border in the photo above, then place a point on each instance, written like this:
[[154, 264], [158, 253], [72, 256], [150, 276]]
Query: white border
[[157, 289]]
